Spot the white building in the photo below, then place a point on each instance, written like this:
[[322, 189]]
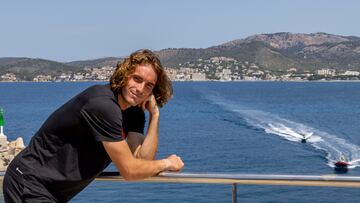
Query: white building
[[351, 73], [326, 72], [10, 77], [42, 78], [198, 76]]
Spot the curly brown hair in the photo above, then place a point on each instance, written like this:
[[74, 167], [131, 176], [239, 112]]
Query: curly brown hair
[[163, 88]]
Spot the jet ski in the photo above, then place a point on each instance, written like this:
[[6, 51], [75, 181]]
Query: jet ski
[[305, 137]]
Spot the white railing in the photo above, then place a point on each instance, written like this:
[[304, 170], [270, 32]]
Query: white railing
[[245, 179]]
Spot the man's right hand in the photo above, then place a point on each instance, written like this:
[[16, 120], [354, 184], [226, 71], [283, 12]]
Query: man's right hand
[[173, 163], [151, 105]]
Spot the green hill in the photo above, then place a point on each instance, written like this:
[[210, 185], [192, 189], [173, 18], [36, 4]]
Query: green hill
[[280, 51], [28, 68]]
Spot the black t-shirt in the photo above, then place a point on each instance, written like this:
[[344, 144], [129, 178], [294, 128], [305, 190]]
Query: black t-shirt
[[66, 154]]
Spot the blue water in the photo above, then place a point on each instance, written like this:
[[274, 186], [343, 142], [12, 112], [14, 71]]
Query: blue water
[[235, 127]]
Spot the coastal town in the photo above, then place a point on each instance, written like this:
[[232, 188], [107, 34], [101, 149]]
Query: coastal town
[[212, 69]]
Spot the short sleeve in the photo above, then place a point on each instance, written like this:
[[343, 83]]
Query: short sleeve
[[104, 118], [134, 120]]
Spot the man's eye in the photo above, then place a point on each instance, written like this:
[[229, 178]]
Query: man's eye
[[150, 86], [137, 79]]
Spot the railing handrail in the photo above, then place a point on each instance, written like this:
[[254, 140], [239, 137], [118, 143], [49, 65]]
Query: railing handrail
[[330, 180], [262, 176]]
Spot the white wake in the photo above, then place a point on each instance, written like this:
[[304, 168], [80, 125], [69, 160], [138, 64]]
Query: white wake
[[294, 131]]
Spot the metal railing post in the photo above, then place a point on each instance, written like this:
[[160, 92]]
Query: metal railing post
[[234, 193]]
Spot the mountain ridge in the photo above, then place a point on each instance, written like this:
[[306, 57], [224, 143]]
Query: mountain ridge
[[301, 51], [273, 52]]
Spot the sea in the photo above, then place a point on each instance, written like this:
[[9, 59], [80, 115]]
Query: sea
[[224, 127]]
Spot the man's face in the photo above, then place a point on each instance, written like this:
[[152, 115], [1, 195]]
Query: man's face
[[139, 86]]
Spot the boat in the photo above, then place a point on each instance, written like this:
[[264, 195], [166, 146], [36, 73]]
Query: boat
[[342, 165]]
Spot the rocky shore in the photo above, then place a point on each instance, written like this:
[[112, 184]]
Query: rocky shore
[[8, 150]]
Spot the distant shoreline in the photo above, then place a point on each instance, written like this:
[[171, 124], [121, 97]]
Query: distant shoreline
[[220, 81]]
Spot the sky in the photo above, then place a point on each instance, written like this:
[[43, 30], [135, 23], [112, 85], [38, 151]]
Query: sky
[[70, 30]]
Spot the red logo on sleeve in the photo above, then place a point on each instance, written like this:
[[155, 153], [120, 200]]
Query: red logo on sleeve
[[123, 134]]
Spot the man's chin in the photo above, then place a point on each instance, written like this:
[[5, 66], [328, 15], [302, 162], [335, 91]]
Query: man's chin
[[134, 103]]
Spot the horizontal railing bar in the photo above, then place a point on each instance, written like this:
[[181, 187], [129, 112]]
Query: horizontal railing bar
[[247, 179], [262, 176]]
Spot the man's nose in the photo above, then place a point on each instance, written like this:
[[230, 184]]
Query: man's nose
[[140, 87]]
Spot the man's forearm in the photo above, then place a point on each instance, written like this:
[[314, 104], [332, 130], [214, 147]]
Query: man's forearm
[[142, 168], [149, 146], [132, 168]]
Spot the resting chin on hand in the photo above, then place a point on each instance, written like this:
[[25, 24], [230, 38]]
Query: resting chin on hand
[[148, 147], [150, 105]]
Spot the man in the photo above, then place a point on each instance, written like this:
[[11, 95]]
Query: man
[[102, 124]]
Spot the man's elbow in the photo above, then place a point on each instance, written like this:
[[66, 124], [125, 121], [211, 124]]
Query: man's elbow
[[131, 177], [129, 174], [128, 178]]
